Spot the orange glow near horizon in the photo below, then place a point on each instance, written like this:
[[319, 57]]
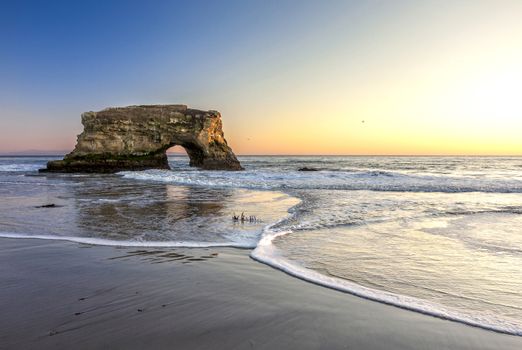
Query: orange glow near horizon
[[464, 98]]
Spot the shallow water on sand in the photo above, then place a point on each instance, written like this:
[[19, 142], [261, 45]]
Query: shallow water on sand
[[111, 210], [439, 235]]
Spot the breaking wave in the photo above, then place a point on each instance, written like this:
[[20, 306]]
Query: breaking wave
[[329, 180]]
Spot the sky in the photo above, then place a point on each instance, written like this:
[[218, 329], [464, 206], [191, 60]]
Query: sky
[[289, 77]]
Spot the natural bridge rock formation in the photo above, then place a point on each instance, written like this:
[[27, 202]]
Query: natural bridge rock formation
[[137, 138]]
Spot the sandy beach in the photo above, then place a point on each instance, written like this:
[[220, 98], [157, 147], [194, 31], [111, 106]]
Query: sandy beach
[[61, 295]]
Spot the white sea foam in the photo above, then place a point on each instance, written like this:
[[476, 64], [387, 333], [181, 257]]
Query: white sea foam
[[340, 180], [122, 243], [267, 253], [19, 167]]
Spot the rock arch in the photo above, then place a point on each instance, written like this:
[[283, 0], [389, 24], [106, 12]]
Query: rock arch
[[137, 138]]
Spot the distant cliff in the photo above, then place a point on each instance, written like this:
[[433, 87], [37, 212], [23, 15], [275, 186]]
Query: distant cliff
[[137, 137]]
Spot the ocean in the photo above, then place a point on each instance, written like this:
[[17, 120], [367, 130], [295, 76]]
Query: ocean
[[436, 235]]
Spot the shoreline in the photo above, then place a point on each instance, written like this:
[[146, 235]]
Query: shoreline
[[267, 253], [58, 294], [273, 260]]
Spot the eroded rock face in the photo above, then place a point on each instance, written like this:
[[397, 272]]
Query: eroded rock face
[[137, 138]]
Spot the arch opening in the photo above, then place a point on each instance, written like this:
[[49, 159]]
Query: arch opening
[[177, 157]]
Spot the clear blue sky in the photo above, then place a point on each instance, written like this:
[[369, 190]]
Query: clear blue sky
[[268, 66]]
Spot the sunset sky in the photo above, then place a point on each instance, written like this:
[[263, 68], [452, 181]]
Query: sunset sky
[[289, 77]]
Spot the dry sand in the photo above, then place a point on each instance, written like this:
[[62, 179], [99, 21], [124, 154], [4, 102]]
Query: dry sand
[[59, 295]]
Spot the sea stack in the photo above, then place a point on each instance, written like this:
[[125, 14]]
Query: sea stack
[[137, 138]]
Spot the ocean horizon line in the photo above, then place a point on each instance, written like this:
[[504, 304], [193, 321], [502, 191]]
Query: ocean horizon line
[[28, 155]]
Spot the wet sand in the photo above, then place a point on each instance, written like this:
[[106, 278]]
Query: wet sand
[[60, 295]]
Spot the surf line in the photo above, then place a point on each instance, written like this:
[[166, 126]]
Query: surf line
[[267, 253]]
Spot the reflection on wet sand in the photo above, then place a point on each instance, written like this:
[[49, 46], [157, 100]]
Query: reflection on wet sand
[[164, 256], [110, 208], [149, 211]]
